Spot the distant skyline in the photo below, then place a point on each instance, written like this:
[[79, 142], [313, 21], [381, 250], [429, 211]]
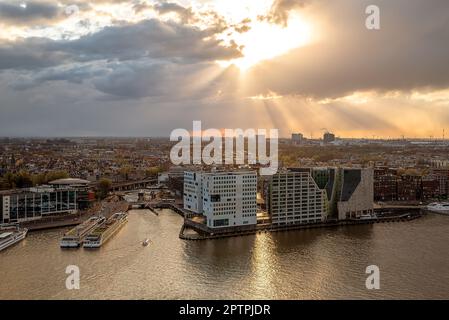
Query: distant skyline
[[145, 68], [315, 138]]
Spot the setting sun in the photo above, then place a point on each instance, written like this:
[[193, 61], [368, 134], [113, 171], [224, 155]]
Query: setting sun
[[265, 41]]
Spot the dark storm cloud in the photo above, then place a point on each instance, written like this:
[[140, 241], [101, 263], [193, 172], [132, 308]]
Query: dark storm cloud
[[72, 74], [409, 52], [29, 54], [150, 38], [136, 79], [144, 75], [144, 79]]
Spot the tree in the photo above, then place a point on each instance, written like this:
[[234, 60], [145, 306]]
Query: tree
[[124, 171], [153, 171], [103, 188], [9, 180], [55, 175], [23, 180]]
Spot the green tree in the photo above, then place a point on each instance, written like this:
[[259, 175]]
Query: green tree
[[103, 188]]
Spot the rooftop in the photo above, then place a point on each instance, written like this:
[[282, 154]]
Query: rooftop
[[69, 181]]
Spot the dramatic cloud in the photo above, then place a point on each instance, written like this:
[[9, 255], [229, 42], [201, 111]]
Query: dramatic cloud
[[280, 11], [153, 66], [186, 14], [149, 38], [403, 55], [28, 12]]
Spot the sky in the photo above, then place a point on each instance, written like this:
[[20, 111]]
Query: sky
[[145, 68]]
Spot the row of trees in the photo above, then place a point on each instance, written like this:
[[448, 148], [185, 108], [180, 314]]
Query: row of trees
[[105, 184], [24, 179]]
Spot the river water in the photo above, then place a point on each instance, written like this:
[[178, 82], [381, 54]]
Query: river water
[[413, 258]]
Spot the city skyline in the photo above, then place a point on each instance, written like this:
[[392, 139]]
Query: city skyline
[[144, 68]]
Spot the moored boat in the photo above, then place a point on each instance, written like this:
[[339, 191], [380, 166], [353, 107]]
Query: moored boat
[[74, 238], [105, 231], [441, 208], [11, 235]]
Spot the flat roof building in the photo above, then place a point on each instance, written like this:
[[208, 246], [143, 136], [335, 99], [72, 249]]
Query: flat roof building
[[226, 199], [295, 198]]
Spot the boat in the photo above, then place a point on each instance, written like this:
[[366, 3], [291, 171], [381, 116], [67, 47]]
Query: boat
[[441, 208], [368, 216], [146, 242], [74, 238], [105, 231], [11, 235]]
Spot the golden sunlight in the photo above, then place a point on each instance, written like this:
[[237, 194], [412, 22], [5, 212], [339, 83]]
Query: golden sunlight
[[266, 41]]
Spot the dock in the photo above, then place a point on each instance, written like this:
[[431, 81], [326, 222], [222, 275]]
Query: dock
[[105, 209], [205, 233], [154, 205], [104, 231], [83, 228]]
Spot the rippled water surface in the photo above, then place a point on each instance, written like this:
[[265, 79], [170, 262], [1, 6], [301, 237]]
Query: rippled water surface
[[413, 258]]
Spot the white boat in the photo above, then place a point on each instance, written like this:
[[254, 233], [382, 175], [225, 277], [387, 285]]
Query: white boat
[[146, 242], [441, 208], [74, 237], [105, 231], [10, 237], [368, 216]]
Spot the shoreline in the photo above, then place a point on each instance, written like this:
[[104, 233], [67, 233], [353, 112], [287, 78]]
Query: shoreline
[[72, 220], [203, 235]]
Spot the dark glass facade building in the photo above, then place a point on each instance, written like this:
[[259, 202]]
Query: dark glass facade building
[[35, 203]]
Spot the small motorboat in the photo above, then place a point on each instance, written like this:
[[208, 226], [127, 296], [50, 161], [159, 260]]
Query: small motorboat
[[146, 242]]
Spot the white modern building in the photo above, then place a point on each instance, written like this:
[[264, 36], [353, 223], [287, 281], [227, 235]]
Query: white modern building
[[226, 199], [193, 195], [295, 198]]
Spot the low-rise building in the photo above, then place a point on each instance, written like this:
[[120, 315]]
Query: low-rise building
[[35, 203]]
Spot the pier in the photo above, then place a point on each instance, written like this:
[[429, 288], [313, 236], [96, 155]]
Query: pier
[[153, 205], [105, 208], [204, 233]]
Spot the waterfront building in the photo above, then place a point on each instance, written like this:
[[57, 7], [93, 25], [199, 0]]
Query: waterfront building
[[430, 187], [409, 187], [193, 193], [385, 187], [356, 195], [294, 197], [442, 175], [35, 203], [226, 199], [347, 193]]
